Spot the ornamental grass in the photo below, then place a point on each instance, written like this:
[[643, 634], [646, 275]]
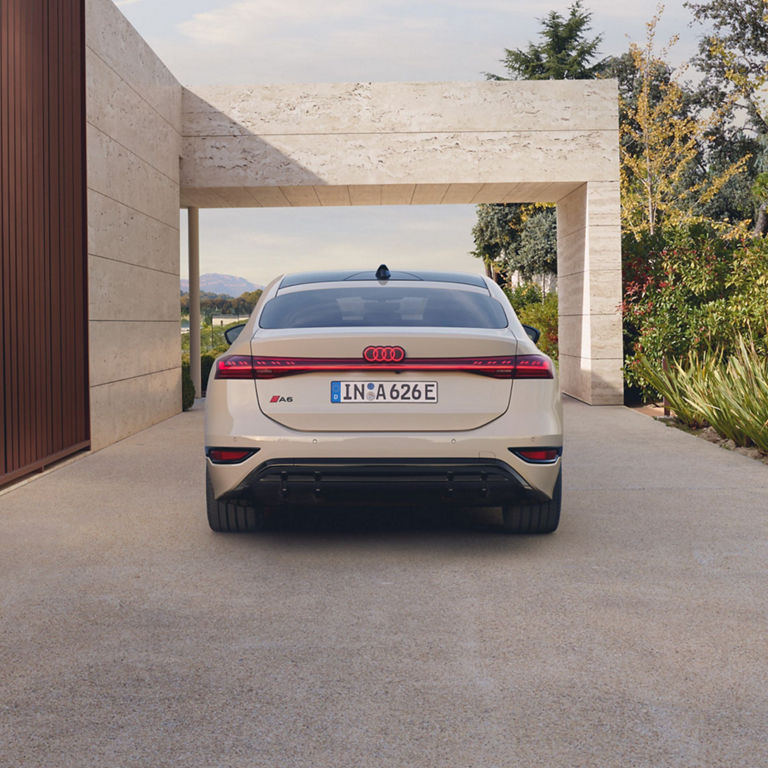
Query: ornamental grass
[[730, 395]]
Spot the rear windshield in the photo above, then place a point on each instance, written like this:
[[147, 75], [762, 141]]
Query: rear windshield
[[390, 305]]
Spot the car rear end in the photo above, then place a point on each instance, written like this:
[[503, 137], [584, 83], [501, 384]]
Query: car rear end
[[350, 389]]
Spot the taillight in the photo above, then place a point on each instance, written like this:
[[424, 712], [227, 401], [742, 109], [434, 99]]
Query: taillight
[[235, 367], [257, 367], [538, 455], [533, 367], [230, 455]]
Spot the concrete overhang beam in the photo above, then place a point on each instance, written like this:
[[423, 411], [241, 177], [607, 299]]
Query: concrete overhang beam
[[430, 144]]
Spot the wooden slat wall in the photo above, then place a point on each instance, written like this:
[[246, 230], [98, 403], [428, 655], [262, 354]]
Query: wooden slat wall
[[43, 258]]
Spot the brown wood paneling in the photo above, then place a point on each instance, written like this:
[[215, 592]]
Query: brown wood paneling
[[43, 257]]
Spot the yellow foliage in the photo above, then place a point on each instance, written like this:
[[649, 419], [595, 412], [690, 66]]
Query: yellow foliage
[[749, 86], [659, 146], [528, 209]]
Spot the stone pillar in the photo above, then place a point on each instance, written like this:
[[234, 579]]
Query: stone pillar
[[193, 232], [589, 291]]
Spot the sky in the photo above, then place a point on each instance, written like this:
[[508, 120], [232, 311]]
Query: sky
[[209, 42]]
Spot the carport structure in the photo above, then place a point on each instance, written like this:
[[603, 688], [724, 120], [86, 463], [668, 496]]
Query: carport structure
[[433, 143], [101, 147]]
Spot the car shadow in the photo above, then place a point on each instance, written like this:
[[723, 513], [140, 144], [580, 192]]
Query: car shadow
[[383, 520]]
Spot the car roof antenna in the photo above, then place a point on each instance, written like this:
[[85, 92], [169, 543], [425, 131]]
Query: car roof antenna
[[383, 273]]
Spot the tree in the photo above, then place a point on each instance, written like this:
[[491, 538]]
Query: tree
[[496, 234], [734, 57], [248, 301], [537, 252], [220, 303], [722, 144], [638, 78], [734, 60], [516, 238], [665, 177], [735, 201], [564, 53], [760, 191], [511, 237]]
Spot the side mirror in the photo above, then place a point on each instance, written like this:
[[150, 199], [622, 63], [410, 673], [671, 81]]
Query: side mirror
[[232, 333], [533, 333]]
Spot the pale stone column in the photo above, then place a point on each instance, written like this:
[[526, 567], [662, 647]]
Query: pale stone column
[[589, 291], [193, 234]]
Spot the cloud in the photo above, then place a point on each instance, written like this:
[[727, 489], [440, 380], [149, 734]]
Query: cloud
[[344, 52], [123, 3], [278, 41], [239, 22], [245, 20]]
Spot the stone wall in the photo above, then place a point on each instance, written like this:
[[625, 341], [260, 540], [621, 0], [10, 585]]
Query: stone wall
[[437, 143], [589, 292], [396, 143], [133, 113]]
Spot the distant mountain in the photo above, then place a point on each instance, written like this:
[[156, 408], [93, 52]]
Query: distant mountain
[[226, 284]]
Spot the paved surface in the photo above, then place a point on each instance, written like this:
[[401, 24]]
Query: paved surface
[[635, 636]]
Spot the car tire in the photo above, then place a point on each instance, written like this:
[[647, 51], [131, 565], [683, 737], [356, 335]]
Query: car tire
[[231, 516], [535, 518]]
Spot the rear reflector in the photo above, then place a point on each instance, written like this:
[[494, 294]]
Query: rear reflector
[[230, 455], [538, 455], [512, 367]]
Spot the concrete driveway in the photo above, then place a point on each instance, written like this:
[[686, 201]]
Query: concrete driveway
[[634, 636]]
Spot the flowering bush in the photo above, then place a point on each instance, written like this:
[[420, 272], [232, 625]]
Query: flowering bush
[[690, 290]]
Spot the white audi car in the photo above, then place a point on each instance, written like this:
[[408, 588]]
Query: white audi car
[[383, 388]]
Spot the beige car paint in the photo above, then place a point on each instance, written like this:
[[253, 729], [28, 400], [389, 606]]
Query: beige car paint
[[533, 416], [465, 401]]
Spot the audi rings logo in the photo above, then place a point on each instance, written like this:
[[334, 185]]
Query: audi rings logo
[[383, 354]]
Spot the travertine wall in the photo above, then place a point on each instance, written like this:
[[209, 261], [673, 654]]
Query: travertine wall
[[133, 112], [589, 292], [396, 143], [411, 143]]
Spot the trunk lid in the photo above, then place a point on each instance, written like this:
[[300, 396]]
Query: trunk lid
[[353, 400]]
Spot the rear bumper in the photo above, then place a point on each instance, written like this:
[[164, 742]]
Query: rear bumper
[[479, 482], [533, 420]]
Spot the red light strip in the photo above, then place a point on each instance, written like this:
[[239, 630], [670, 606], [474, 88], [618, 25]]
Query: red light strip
[[510, 367]]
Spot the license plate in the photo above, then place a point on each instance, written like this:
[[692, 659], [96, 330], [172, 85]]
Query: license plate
[[383, 391]]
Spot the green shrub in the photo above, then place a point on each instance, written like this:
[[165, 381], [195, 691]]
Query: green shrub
[[187, 388], [538, 310], [524, 295], [211, 338], [690, 289], [544, 316], [206, 363]]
